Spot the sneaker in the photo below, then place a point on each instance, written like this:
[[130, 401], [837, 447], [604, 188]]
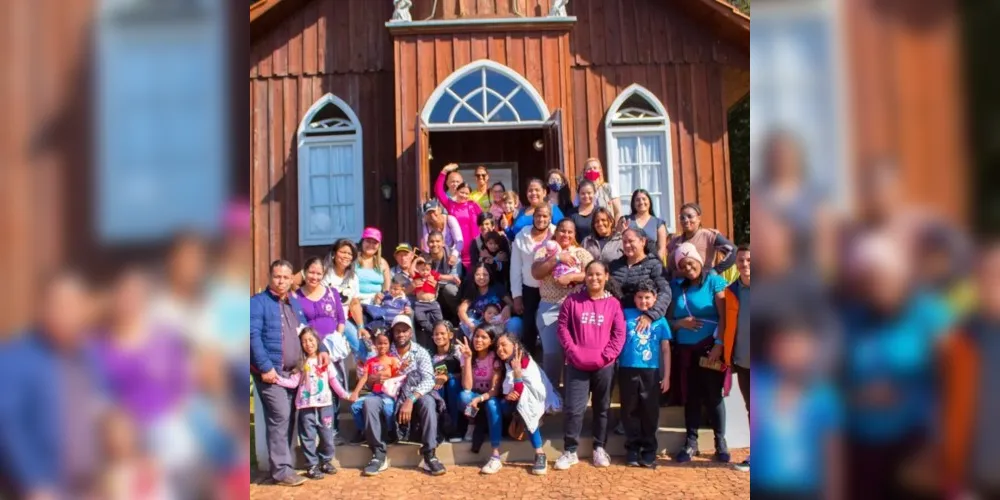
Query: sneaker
[[376, 467], [601, 458], [492, 467], [722, 451], [632, 459], [455, 439], [743, 466], [541, 466], [620, 429], [468, 433], [686, 455], [328, 469], [314, 473], [648, 460], [292, 480], [432, 465], [567, 460]]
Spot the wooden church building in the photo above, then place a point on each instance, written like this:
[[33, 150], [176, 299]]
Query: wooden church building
[[356, 105]]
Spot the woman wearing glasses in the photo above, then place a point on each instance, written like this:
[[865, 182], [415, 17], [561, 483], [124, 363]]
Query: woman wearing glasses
[[481, 194], [709, 242]]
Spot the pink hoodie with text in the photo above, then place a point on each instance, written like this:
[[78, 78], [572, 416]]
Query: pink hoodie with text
[[592, 332]]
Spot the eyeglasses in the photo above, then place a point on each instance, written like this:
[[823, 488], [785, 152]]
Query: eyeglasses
[[482, 176], [688, 217]]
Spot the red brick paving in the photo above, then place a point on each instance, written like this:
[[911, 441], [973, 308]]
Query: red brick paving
[[700, 479]]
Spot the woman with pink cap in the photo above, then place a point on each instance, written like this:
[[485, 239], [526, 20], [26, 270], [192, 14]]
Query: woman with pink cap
[[697, 318], [372, 270], [462, 208]]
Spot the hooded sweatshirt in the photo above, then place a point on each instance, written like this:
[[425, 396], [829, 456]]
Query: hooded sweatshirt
[[592, 332]]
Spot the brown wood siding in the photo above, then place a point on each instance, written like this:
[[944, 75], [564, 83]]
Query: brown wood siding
[[468, 9]]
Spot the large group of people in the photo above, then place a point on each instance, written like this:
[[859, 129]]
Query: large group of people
[[445, 339]]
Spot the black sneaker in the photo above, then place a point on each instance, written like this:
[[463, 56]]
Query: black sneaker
[[632, 459], [541, 466], [292, 480], [432, 465], [648, 460], [359, 438], [686, 455], [376, 467], [328, 469], [314, 473], [722, 451]]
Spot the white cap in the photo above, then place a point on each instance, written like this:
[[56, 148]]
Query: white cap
[[402, 319]]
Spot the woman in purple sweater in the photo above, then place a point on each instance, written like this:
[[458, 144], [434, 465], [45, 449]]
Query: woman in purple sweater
[[592, 332], [324, 310]]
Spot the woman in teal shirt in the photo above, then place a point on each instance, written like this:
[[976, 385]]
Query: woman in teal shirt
[[696, 315]]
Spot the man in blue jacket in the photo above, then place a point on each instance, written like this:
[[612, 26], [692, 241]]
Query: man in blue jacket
[[276, 319]]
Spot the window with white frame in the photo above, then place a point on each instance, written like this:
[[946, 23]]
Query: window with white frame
[[485, 93], [794, 86], [638, 139], [331, 176]]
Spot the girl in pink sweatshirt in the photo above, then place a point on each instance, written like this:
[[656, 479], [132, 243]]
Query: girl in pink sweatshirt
[[592, 332], [462, 208]]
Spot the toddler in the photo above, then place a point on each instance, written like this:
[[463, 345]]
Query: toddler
[[427, 309], [511, 204], [379, 368], [562, 268]]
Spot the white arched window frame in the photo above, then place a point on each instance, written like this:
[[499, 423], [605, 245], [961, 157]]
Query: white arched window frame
[[637, 129], [484, 94], [331, 173]]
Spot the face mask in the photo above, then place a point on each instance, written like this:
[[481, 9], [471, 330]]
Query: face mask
[[592, 175], [555, 186]]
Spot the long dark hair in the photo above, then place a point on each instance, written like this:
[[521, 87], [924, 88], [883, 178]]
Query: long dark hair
[[652, 213], [328, 262], [565, 197], [470, 291], [593, 219], [518, 345], [492, 331], [453, 346], [611, 286]]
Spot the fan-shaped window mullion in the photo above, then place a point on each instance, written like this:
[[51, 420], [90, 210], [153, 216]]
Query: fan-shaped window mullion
[[504, 101]]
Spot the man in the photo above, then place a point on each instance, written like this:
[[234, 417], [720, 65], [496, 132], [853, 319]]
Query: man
[[737, 334], [276, 319], [417, 410]]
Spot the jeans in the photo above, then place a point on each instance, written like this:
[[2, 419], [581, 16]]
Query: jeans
[[388, 410], [313, 422], [531, 298], [553, 355], [496, 410], [451, 394], [279, 412], [424, 419], [579, 386], [427, 314], [358, 347], [743, 378]]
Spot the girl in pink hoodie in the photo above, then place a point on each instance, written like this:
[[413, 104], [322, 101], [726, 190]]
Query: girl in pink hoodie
[[462, 208], [592, 332]]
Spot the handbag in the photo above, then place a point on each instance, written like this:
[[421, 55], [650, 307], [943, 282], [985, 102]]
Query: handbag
[[517, 430], [391, 386]]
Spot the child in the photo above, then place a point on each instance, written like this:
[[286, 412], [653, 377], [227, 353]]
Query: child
[[639, 363], [128, 472], [492, 315], [447, 359], [396, 302], [511, 205], [314, 405], [562, 268], [382, 366], [736, 353], [491, 248], [481, 374], [427, 309]]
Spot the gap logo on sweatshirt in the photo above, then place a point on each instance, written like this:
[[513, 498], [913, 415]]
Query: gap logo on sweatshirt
[[591, 318]]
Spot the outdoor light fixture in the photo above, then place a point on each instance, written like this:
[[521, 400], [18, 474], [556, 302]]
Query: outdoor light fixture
[[387, 188], [539, 145]]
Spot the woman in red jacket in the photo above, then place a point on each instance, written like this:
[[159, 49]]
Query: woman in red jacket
[[592, 332]]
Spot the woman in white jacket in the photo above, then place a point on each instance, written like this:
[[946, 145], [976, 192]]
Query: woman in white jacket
[[523, 285]]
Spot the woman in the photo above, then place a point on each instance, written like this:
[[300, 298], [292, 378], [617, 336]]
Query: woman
[[592, 332], [644, 218], [523, 285], [481, 291], [554, 291], [697, 315], [462, 208], [583, 216], [559, 194], [324, 309], [341, 277], [481, 374], [452, 181], [436, 219], [635, 267], [524, 399], [482, 194], [605, 195], [709, 242], [604, 242], [536, 194], [374, 275], [496, 208]]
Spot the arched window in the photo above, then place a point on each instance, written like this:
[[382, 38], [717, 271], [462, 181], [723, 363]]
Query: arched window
[[485, 94], [638, 139], [331, 176]]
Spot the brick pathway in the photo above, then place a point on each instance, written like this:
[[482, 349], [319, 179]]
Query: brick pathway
[[700, 479]]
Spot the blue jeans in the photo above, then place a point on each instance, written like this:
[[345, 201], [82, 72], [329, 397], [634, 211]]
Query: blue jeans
[[358, 347], [388, 410], [496, 410], [451, 393], [313, 423]]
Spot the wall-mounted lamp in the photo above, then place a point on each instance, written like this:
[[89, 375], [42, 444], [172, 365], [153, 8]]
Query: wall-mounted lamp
[[539, 145], [387, 189], [430, 153]]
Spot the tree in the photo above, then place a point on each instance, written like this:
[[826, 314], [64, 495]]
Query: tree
[[739, 157]]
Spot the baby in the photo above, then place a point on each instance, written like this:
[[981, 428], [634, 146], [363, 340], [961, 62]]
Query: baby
[[492, 315], [562, 268]]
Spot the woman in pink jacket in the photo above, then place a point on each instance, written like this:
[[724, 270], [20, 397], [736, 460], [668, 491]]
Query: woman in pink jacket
[[462, 208], [592, 332]]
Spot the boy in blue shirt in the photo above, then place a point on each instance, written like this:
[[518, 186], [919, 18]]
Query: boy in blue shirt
[[639, 364]]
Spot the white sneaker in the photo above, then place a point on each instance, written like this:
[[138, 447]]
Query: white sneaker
[[455, 439], [567, 460], [492, 467], [468, 433], [601, 458]]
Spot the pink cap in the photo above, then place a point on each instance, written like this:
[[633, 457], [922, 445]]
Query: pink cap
[[370, 233], [687, 251]]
